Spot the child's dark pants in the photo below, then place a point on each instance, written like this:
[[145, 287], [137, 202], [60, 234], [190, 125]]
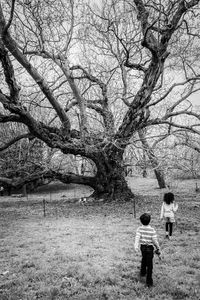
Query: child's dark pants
[[147, 263], [169, 227]]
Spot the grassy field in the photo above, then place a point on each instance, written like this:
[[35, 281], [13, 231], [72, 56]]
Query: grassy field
[[86, 251]]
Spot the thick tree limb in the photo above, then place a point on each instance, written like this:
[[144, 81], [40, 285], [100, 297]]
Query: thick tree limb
[[149, 40], [10, 19], [12, 46], [135, 115], [9, 74], [9, 118], [49, 174]]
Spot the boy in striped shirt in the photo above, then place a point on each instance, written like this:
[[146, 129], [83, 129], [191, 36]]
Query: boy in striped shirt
[[146, 239]]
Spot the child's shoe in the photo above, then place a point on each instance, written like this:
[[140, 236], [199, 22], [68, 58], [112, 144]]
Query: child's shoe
[[142, 278], [149, 283]]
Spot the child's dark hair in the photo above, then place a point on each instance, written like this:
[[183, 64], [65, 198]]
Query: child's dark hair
[[168, 198], [145, 219]]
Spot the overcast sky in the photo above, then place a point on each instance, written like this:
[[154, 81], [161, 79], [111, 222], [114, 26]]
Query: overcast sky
[[195, 99]]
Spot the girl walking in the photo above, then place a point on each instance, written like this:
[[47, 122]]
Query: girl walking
[[167, 212]]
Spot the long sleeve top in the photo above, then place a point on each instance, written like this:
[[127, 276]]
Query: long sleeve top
[[146, 235], [168, 210]]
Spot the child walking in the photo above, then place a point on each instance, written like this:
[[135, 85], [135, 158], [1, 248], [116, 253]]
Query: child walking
[[146, 239], [168, 209]]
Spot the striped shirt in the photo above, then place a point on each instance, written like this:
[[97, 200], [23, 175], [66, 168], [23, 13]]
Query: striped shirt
[[146, 235]]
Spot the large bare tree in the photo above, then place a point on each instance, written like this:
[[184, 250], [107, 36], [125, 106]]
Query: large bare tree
[[85, 79]]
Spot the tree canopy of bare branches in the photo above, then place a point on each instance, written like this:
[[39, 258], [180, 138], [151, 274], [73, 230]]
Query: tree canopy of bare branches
[[85, 78]]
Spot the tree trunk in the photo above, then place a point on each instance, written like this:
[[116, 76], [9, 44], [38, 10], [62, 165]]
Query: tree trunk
[[160, 178], [24, 191], [110, 181], [153, 159], [144, 166]]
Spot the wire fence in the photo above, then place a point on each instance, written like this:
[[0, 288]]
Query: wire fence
[[56, 207]]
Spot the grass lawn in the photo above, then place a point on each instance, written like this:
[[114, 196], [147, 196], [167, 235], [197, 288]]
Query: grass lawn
[[86, 251]]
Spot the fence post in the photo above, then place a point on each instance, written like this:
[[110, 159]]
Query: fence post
[[44, 208]]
